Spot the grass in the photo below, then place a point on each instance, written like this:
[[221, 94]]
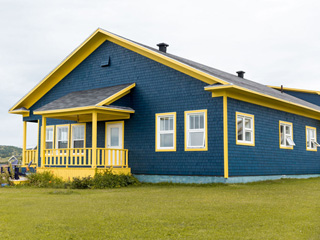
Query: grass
[[284, 209]]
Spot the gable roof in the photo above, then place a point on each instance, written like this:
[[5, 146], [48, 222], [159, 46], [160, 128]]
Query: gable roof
[[92, 97], [199, 71]]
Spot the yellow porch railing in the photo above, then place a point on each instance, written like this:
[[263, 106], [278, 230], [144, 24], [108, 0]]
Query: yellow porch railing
[[30, 156], [75, 157]]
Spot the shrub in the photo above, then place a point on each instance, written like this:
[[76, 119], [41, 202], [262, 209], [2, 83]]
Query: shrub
[[45, 179], [5, 177], [81, 183], [107, 179]]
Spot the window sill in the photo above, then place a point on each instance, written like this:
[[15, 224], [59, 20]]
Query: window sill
[[252, 144]]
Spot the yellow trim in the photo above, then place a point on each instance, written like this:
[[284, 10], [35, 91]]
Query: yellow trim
[[90, 45], [205, 126], [94, 138], [24, 142], [286, 123], [53, 137], [43, 140], [56, 128], [117, 96], [38, 144], [24, 113], [106, 130], [253, 130], [265, 101], [79, 109], [85, 137], [174, 132], [315, 134], [225, 137], [295, 90]]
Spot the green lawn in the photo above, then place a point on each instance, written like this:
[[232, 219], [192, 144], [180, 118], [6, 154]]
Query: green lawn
[[284, 209]]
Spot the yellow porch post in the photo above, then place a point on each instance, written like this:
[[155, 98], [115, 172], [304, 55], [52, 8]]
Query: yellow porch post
[[24, 144], [43, 140], [94, 138], [225, 136]]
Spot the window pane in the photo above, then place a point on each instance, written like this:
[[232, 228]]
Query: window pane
[[77, 132], [287, 129], [202, 121], [290, 142], [248, 136], [196, 139], [240, 129], [191, 117], [166, 124], [78, 144], [62, 144], [197, 121], [49, 145], [248, 123], [49, 134], [114, 137], [166, 140], [171, 123], [161, 124], [63, 133], [282, 135]]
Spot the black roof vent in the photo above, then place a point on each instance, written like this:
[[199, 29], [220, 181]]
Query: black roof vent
[[163, 47], [241, 74]]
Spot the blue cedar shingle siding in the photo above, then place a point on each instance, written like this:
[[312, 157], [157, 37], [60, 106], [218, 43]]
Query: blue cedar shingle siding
[[266, 158], [158, 89], [313, 98]]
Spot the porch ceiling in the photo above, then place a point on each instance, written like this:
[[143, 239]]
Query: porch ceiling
[[84, 114]]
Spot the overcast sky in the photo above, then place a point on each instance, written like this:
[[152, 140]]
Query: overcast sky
[[274, 41]]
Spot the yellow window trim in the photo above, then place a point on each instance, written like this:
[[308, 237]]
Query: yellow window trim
[[205, 132], [106, 135], [253, 130], [311, 149], [174, 132], [287, 123], [62, 125], [85, 137], [53, 137]]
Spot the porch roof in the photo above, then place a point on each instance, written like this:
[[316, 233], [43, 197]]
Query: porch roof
[[86, 98], [79, 106]]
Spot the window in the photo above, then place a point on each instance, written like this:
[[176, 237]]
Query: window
[[63, 136], [286, 138], [196, 130], [311, 137], [78, 135], [245, 129], [166, 131], [49, 137]]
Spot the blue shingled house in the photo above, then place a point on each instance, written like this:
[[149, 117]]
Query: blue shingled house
[[115, 103]]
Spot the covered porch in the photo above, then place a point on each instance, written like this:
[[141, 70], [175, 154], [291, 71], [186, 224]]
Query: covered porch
[[63, 147]]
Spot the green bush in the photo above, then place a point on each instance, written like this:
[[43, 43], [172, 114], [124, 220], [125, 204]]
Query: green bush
[[45, 179], [81, 183], [105, 179]]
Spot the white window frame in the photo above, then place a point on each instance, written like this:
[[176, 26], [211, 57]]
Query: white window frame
[[159, 132], [50, 140], [84, 135], [204, 146], [244, 117], [57, 140], [310, 140], [288, 136]]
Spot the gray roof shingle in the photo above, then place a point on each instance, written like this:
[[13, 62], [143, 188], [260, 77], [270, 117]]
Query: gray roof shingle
[[233, 79], [84, 98]]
